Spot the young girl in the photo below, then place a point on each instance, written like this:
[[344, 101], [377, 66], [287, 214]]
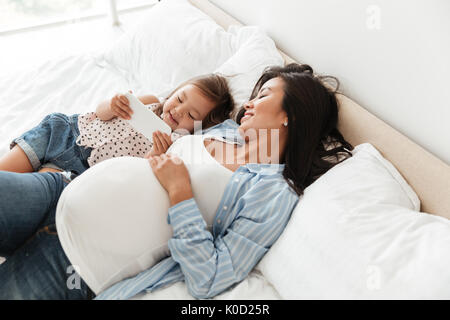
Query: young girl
[[75, 143]]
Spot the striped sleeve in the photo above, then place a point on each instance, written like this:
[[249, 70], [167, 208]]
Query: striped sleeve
[[210, 265]]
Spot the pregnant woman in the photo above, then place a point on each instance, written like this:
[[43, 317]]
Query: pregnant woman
[[285, 138]]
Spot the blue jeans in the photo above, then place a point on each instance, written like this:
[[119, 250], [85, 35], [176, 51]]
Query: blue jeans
[[52, 143], [36, 266]]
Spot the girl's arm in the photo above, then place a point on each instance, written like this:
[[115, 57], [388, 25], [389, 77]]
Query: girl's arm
[[148, 99], [119, 106], [104, 111]]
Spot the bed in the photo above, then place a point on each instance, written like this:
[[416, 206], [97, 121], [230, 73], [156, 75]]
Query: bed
[[385, 234]]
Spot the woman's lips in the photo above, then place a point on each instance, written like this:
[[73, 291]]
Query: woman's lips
[[247, 115]]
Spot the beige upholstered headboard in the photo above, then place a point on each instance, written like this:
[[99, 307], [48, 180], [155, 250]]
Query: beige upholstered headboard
[[428, 175]]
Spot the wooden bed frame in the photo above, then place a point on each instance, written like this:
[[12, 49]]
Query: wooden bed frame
[[425, 173]]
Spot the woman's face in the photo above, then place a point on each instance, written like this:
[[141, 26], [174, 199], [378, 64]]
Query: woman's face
[[265, 110], [185, 106]]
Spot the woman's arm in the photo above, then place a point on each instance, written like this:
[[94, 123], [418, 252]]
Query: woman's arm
[[212, 265], [178, 196]]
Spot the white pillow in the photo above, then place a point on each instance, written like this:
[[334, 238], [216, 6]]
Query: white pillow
[[176, 41], [173, 42], [356, 233], [254, 51]]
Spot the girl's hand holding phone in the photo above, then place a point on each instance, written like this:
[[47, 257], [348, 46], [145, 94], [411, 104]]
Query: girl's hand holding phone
[[120, 106], [161, 142]]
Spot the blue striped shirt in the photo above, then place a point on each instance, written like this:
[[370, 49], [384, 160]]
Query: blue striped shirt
[[253, 212]]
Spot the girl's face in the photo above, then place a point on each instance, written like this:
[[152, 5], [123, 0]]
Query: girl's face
[[185, 106], [265, 110]]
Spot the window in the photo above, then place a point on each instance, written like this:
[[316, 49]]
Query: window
[[20, 14], [127, 4]]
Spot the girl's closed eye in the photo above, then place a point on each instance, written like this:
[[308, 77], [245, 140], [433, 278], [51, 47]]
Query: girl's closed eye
[[181, 101]]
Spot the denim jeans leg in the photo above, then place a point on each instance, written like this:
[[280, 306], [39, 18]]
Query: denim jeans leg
[[25, 203], [40, 270], [36, 266]]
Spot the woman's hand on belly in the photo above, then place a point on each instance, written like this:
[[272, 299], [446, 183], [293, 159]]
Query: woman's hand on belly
[[173, 176]]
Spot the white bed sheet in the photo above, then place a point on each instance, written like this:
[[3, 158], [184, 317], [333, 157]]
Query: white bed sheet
[[76, 84], [254, 287], [70, 84]]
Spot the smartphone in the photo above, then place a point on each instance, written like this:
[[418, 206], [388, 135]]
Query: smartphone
[[144, 120]]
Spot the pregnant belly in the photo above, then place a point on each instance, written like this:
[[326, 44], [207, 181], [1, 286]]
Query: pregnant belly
[[112, 219]]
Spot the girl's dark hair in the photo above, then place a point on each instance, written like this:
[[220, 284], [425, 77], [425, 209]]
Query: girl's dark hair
[[214, 87], [314, 143]]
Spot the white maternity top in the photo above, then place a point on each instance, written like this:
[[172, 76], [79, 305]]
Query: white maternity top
[[112, 219]]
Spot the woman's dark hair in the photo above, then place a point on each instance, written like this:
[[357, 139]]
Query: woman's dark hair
[[215, 88], [314, 143]]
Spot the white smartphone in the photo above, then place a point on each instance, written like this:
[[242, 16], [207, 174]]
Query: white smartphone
[[144, 120]]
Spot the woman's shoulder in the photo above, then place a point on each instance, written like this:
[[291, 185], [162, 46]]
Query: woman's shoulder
[[227, 124], [227, 130], [266, 169], [270, 175]]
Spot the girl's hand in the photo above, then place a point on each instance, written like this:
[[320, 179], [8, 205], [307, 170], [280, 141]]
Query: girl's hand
[[120, 106], [173, 176], [161, 142]]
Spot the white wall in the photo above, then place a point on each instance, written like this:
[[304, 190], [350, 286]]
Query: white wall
[[392, 57]]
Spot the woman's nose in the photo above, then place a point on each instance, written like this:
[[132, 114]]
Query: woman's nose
[[248, 105]]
